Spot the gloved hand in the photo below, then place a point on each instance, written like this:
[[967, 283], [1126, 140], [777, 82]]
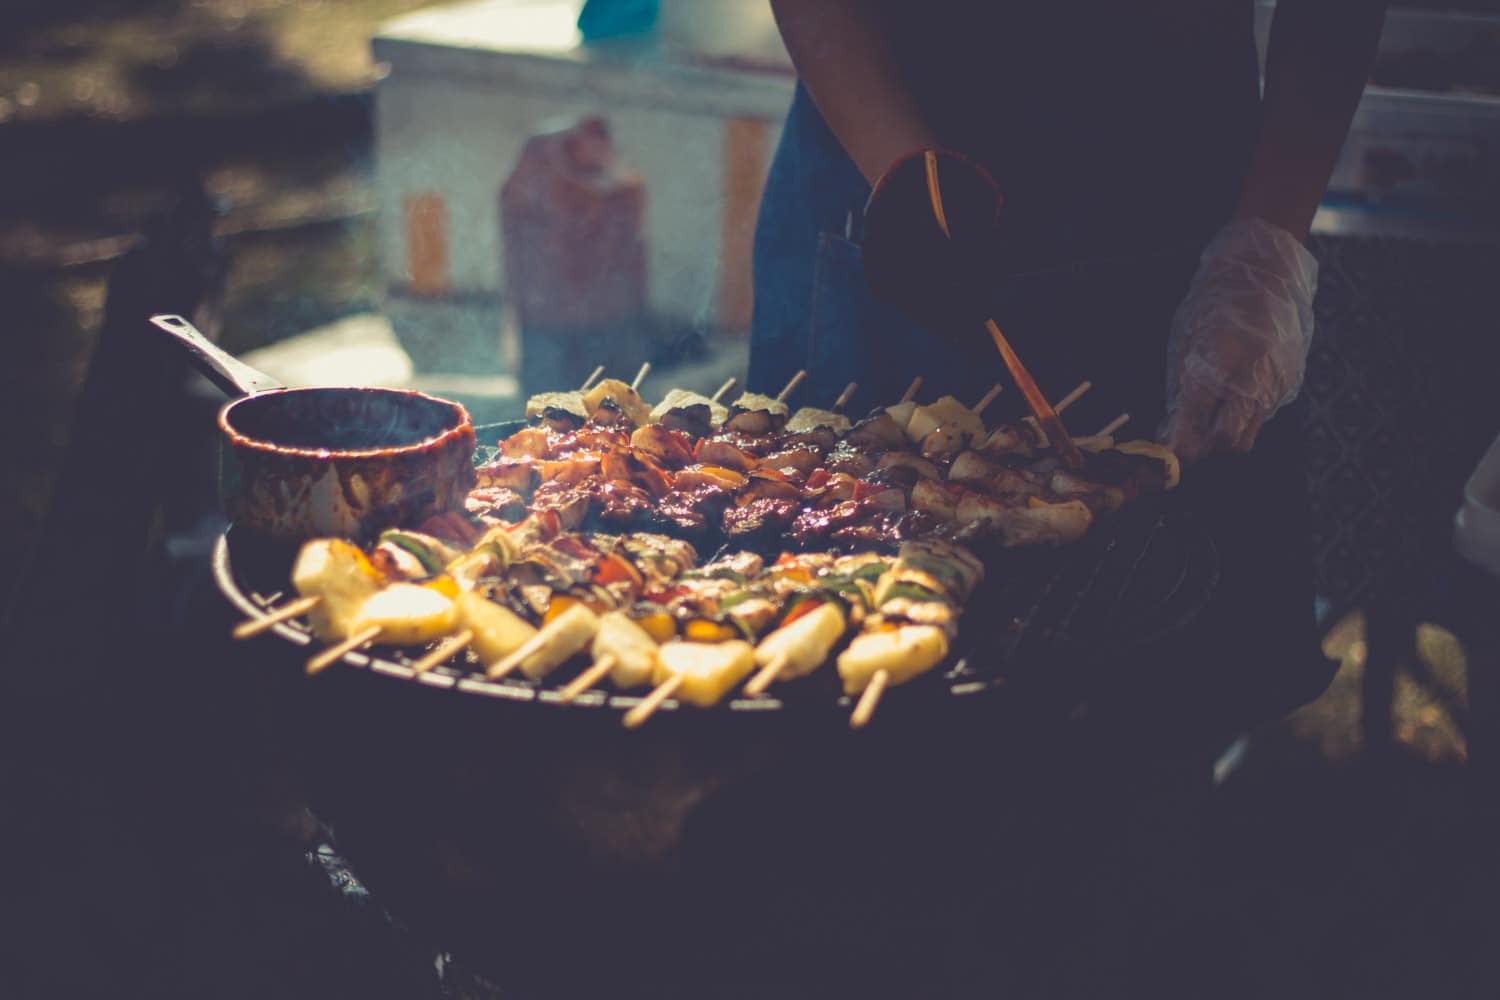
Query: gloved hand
[[1239, 340], [940, 281]]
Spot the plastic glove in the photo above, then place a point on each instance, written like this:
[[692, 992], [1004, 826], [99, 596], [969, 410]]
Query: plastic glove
[[1239, 340], [940, 281]]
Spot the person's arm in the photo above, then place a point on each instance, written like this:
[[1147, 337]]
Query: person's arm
[[845, 60], [1239, 341], [1317, 62]]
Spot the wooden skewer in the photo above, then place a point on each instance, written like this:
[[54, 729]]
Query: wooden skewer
[[1114, 425], [444, 651], [911, 390], [640, 376], [987, 399], [767, 674], [506, 664], [934, 192], [591, 379], [728, 384], [334, 653], [791, 386], [1074, 396], [869, 699], [593, 675], [255, 626], [1046, 416], [844, 397], [652, 702]]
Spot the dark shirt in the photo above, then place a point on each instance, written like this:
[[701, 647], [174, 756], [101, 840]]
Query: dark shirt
[[1111, 125]]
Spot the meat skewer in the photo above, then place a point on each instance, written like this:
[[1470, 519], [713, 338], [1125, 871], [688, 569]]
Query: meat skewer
[[987, 399], [911, 390], [640, 376], [1113, 425], [594, 377], [729, 383]]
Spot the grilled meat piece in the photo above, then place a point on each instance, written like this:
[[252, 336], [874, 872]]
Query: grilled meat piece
[[850, 459], [520, 475], [571, 504], [664, 446], [495, 503], [693, 511], [878, 432], [760, 519]]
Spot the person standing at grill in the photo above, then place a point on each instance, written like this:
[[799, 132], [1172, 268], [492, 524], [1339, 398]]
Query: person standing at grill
[[1130, 205], [1121, 199]]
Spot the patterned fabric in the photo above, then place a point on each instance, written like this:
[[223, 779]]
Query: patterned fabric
[[1401, 402]]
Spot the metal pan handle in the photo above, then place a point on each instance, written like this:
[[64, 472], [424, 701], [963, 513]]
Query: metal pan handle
[[221, 368]]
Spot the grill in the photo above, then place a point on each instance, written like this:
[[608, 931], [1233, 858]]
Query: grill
[[1042, 617]]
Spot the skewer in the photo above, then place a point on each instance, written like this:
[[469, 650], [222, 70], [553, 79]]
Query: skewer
[[649, 704], [334, 653], [591, 379], [869, 699], [911, 390], [640, 376], [934, 193], [255, 626], [1043, 411], [844, 397], [791, 386], [444, 651], [1114, 425], [593, 675], [987, 399], [767, 674], [728, 384], [1062, 404], [1074, 396], [507, 664]]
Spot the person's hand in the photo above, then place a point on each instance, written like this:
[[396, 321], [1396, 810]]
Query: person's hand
[[1239, 340], [940, 280]]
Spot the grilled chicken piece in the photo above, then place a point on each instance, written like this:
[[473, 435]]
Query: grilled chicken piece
[[723, 451], [520, 475], [801, 461], [1039, 524], [1010, 441], [972, 467], [664, 446], [689, 412], [562, 411], [905, 459], [495, 503], [760, 519], [878, 432], [758, 415], [529, 442], [847, 457], [636, 470], [569, 503], [1100, 497], [708, 475], [693, 511], [937, 498]]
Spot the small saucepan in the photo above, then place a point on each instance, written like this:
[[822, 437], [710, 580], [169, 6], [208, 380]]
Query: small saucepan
[[347, 461]]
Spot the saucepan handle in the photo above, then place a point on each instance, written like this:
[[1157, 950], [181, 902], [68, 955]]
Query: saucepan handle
[[221, 368]]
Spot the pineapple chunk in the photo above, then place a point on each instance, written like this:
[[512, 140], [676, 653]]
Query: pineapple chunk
[[805, 643], [902, 413], [562, 638], [708, 672], [948, 413], [498, 631], [811, 418], [632, 647], [341, 577], [408, 614], [902, 652]]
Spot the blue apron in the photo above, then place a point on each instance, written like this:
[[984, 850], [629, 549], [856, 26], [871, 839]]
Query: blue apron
[[1105, 320]]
